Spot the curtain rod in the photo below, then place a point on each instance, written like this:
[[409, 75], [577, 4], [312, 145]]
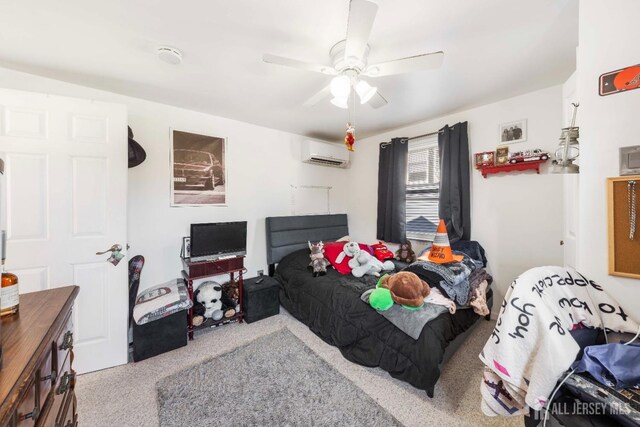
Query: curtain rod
[[384, 144]]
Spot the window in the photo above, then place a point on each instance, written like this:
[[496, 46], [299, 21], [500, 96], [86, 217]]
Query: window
[[423, 188]]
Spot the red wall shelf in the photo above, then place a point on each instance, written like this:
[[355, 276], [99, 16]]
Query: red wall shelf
[[522, 166]]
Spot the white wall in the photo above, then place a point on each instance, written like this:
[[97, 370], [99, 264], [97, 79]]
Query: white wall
[[516, 217], [606, 123], [262, 165]]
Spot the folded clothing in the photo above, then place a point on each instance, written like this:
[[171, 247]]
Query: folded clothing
[[436, 297], [411, 322], [161, 301], [451, 278]]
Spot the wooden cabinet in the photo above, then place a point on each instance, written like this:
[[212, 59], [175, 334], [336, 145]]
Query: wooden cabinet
[[37, 379]]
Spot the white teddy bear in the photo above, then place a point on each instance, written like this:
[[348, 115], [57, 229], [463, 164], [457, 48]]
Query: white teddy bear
[[362, 262]]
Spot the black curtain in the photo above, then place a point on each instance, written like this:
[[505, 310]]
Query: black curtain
[[392, 190], [455, 185]]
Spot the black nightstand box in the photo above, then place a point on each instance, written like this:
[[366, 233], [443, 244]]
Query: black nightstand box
[[260, 300], [159, 336]]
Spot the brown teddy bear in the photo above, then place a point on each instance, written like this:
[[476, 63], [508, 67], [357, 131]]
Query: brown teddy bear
[[406, 288], [405, 253]]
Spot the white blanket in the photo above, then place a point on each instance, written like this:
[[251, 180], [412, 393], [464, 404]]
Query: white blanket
[[530, 347]]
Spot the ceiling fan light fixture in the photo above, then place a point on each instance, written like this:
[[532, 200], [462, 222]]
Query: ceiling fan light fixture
[[365, 91], [340, 102], [341, 87]]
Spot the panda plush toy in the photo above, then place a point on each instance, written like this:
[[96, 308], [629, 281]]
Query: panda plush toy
[[208, 302]]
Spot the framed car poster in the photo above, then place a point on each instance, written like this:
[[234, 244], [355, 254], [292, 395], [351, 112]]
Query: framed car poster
[[198, 169]]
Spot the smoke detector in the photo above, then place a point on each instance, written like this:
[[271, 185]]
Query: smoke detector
[[169, 55]]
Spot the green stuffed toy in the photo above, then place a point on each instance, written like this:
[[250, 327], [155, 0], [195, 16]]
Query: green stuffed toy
[[403, 288]]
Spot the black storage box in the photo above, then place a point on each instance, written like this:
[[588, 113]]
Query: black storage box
[[159, 336], [260, 300]]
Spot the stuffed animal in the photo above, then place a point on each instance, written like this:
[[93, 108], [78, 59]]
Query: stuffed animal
[[362, 262], [208, 303], [405, 253], [403, 288], [319, 262]]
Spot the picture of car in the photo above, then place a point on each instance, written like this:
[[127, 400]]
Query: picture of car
[[192, 168], [528, 156]]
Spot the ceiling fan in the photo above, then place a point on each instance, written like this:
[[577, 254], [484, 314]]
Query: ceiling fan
[[349, 59]]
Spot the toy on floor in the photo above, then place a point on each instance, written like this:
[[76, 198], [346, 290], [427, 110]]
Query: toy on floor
[[208, 302], [381, 251], [403, 288], [405, 253], [319, 262], [362, 262]]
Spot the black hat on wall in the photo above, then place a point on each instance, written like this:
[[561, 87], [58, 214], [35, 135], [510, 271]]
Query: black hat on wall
[[136, 152]]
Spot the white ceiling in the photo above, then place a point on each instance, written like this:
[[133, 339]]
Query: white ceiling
[[494, 49]]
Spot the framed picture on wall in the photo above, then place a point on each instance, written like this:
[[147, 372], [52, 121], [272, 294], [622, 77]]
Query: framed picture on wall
[[198, 169], [513, 132], [502, 155]]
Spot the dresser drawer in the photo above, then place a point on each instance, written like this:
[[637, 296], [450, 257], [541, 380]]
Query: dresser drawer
[[67, 415], [28, 410]]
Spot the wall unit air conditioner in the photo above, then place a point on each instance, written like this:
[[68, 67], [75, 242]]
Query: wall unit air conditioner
[[324, 153]]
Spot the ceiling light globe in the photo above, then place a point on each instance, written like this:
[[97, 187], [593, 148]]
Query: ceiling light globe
[[340, 102], [341, 87], [365, 91]]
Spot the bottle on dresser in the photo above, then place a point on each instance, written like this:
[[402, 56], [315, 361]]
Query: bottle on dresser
[[9, 295]]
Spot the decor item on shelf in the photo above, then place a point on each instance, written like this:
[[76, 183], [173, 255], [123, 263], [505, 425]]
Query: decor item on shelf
[[528, 156], [620, 80], [513, 132], [381, 251], [362, 262], [484, 159], [630, 160], [319, 262], [405, 253], [208, 300], [198, 169], [502, 156], [568, 151], [349, 138], [349, 62]]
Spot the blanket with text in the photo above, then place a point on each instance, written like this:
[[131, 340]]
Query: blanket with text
[[531, 347]]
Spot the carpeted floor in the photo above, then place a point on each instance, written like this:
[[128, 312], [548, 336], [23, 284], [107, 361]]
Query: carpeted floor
[[127, 396], [272, 381]]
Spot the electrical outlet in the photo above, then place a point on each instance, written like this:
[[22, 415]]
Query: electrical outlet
[[260, 272]]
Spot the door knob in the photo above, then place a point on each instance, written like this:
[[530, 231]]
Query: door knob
[[113, 248]]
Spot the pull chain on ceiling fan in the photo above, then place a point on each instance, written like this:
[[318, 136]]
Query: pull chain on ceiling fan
[[349, 59]]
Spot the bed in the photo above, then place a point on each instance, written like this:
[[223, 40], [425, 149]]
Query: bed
[[330, 306]]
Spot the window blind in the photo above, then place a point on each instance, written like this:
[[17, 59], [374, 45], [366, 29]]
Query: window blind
[[423, 194]]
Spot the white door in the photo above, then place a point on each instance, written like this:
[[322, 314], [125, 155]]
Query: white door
[[66, 193]]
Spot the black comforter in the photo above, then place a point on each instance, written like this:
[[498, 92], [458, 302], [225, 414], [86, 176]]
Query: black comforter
[[330, 305]]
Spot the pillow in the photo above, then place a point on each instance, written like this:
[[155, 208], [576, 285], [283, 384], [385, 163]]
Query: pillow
[[161, 301], [333, 249]]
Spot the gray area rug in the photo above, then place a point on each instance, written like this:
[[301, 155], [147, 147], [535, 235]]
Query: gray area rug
[[275, 380]]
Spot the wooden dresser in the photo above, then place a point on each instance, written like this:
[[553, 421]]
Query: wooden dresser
[[37, 380]]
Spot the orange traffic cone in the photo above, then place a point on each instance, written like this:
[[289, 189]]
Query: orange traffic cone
[[440, 251]]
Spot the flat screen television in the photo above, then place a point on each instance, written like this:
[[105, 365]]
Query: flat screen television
[[218, 239]]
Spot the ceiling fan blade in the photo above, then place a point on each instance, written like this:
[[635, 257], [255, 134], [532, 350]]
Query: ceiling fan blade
[[362, 13], [426, 61], [294, 63], [377, 101], [319, 96]]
